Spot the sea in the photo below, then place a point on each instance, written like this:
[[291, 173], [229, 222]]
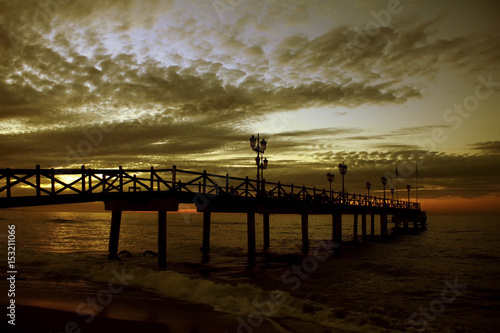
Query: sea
[[443, 279]]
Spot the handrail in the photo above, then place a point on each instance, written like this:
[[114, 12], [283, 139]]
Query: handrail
[[88, 181]]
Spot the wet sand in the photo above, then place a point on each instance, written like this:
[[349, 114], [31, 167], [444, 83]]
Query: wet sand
[[56, 311]]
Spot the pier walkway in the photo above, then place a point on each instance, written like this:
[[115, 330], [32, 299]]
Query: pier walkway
[[162, 190]]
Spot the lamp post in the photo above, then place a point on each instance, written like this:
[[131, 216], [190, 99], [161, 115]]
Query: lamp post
[[343, 171], [408, 187], [330, 176], [384, 182], [368, 186], [392, 192], [260, 148]]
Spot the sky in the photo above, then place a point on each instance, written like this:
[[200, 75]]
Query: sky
[[373, 84]]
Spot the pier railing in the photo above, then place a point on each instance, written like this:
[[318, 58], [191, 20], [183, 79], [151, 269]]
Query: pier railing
[[87, 181]]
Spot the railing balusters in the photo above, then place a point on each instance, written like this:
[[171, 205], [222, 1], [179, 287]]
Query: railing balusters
[[114, 180]]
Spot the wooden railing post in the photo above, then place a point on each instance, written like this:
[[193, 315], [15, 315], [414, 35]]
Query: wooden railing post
[[8, 182], [151, 179], [37, 176], [204, 181], [246, 186], [52, 181], [279, 189], [83, 179], [89, 172], [103, 182], [121, 178], [174, 176], [291, 191]]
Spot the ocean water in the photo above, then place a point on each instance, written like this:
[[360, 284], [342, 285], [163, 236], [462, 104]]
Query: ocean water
[[444, 279]]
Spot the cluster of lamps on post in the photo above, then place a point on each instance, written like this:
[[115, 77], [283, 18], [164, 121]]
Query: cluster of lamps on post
[[343, 170], [259, 147]]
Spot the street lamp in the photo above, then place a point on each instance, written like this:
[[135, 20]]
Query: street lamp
[[408, 187], [368, 186], [343, 171], [330, 177], [260, 161], [392, 192], [384, 182]]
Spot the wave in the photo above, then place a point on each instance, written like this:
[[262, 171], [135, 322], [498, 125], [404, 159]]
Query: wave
[[62, 220], [243, 299]]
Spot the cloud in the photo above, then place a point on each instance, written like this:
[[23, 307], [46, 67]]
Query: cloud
[[488, 147], [173, 83]]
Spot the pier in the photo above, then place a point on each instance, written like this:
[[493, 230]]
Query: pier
[[162, 190]]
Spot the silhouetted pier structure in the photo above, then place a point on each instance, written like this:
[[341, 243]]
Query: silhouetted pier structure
[[162, 190]]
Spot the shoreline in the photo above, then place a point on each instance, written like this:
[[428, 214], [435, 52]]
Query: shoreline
[[134, 310]]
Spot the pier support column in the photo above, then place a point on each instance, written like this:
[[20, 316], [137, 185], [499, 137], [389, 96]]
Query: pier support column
[[251, 233], [162, 238], [396, 220], [305, 232], [266, 230], [205, 247], [114, 234], [355, 227], [372, 225], [363, 227], [337, 227], [383, 225]]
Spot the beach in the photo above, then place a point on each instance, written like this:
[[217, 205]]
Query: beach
[[56, 310]]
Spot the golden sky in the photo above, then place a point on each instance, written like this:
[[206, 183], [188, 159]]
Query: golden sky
[[156, 83]]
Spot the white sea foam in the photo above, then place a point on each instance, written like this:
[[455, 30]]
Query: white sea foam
[[240, 299]]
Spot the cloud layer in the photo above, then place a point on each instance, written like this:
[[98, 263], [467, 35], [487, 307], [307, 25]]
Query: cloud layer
[[135, 83]]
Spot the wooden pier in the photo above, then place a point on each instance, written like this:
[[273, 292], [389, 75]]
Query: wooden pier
[[162, 190]]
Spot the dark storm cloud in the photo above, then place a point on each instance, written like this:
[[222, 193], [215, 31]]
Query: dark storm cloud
[[440, 174], [489, 147]]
